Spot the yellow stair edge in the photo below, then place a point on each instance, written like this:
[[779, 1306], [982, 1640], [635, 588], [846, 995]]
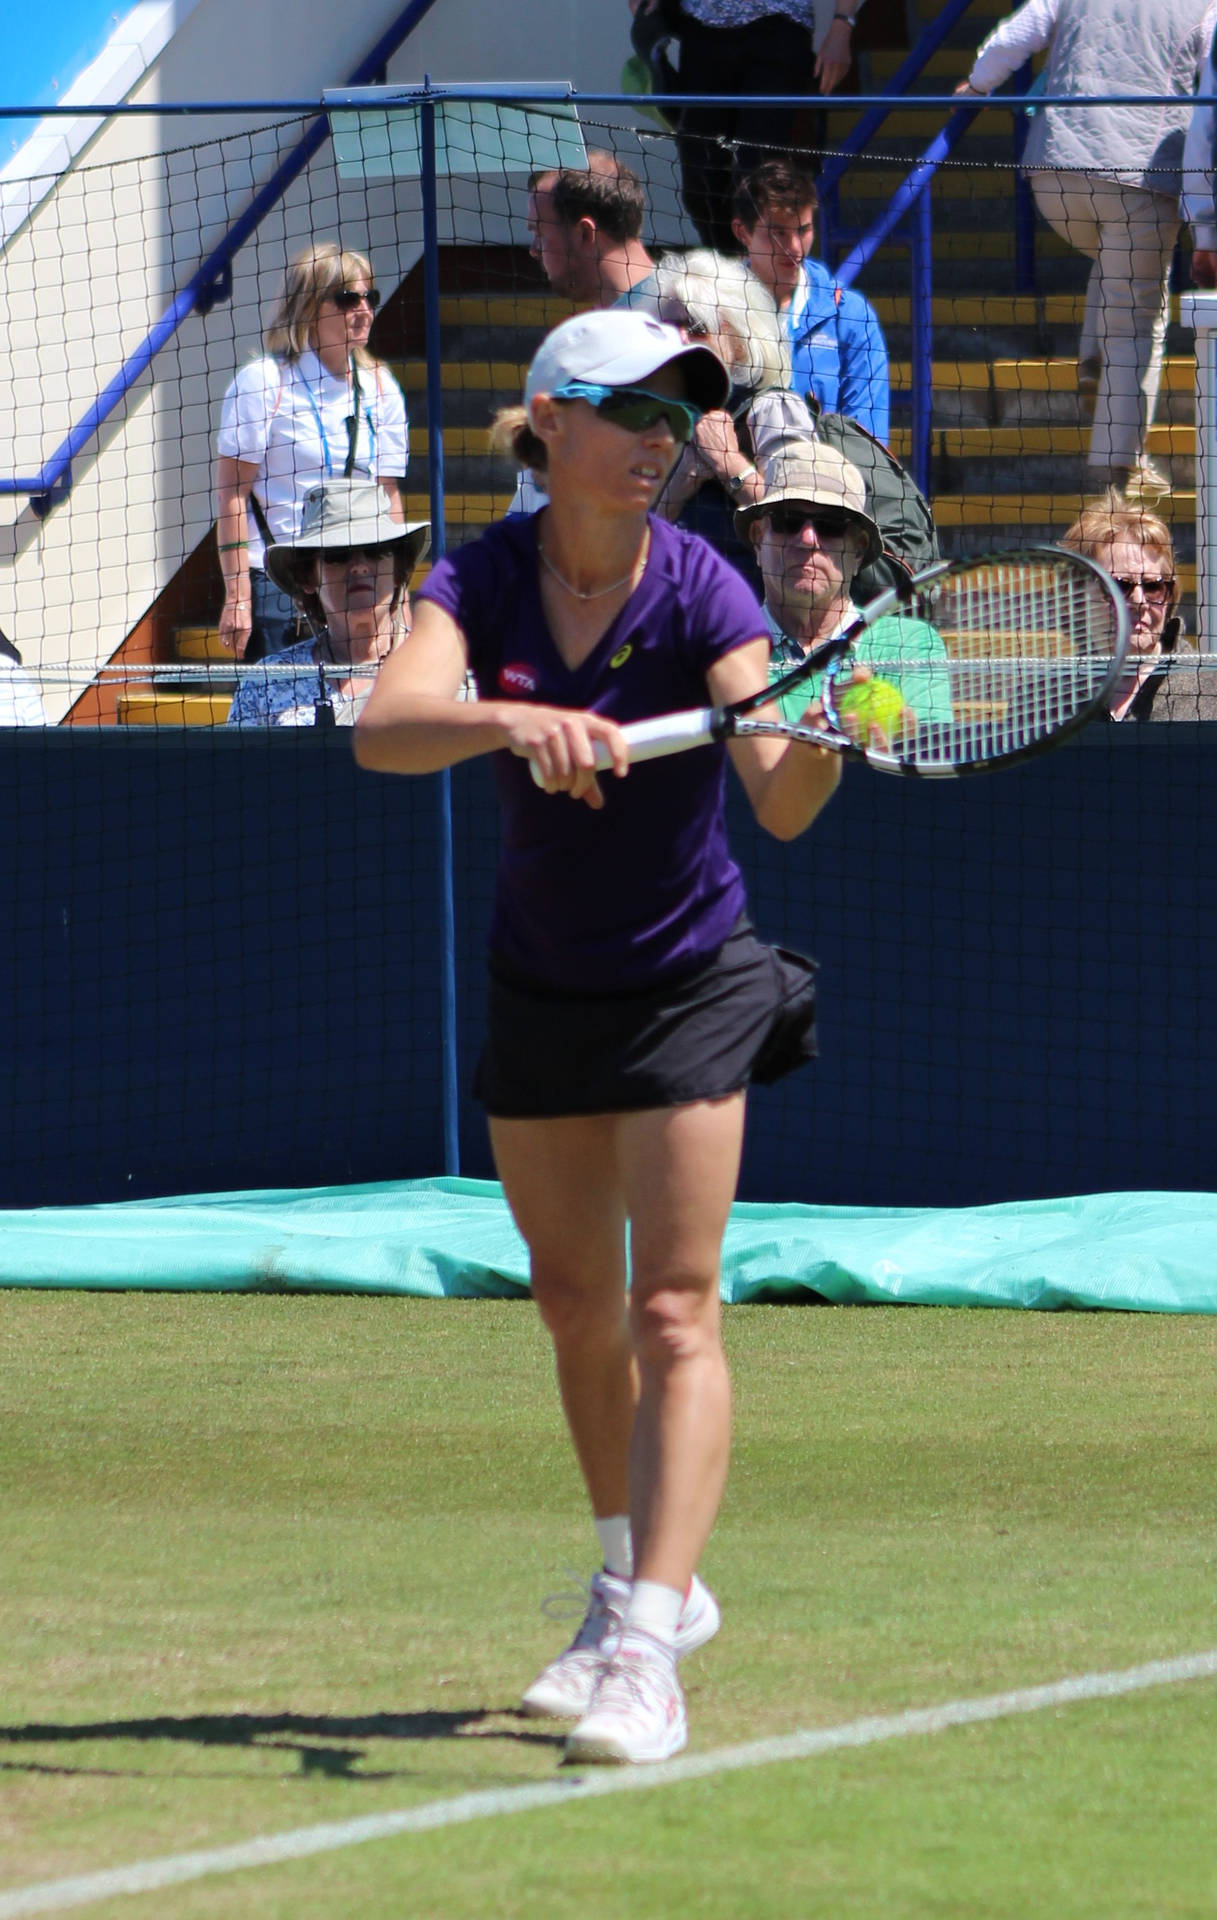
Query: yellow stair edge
[[972, 442], [1053, 376], [159, 708], [476, 376], [503, 310], [199, 643], [462, 509], [457, 440], [997, 309], [1004, 512]]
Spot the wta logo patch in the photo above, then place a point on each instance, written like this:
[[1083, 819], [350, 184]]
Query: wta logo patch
[[518, 679], [622, 654]]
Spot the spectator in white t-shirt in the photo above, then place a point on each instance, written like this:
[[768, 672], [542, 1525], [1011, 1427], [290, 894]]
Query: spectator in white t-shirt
[[317, 407]]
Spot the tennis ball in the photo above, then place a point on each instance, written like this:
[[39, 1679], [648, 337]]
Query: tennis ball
[[873, 703]]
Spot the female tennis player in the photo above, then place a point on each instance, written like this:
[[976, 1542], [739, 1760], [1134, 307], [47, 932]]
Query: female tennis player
[[631, 1003]]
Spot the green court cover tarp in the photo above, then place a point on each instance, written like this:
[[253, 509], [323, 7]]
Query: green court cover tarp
[[1146, 1252]]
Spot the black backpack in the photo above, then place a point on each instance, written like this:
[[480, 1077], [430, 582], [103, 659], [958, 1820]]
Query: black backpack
[[894, 500]]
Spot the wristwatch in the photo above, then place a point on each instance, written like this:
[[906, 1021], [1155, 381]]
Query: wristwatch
[[850, 19], [735, 481]]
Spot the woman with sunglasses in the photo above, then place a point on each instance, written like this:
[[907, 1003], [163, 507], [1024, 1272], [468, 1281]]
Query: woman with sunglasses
[[316, 407], [630, 1001], [348, 571], [1135, 546]]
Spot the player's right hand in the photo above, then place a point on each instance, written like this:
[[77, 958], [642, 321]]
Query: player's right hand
[[561, 743]]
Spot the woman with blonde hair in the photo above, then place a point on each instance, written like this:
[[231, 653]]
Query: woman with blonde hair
[[1136, 548], [316, 407]]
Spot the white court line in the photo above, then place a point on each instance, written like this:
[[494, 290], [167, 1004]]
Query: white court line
[[53, 1896]]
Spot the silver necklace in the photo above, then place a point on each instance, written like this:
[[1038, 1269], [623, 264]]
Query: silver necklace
[[596, 593]]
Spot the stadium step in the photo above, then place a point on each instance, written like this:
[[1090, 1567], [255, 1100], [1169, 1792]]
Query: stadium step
[[166, 707], [198, 643]]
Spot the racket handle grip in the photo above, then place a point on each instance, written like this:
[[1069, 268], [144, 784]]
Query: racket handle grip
[[654, 739]]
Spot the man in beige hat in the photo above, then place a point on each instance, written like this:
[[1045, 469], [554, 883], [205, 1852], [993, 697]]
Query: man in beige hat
[[812, 533]]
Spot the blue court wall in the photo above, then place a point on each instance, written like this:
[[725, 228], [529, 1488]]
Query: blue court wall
[[222, 958]]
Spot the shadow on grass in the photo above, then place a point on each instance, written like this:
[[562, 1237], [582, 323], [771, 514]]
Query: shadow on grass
[[313, 1737]]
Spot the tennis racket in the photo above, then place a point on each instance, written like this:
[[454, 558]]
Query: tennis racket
[[972, 664]]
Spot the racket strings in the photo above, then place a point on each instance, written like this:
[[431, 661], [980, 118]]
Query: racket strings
[[1025, 650]]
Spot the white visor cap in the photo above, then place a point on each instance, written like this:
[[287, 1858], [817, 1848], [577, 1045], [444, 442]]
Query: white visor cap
[[618, 348]]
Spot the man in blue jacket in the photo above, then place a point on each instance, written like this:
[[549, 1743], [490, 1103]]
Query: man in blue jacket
[[837, 347]]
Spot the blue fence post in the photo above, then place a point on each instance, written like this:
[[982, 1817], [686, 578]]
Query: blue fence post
[[435, 450], [1024, 204], [922, 344]]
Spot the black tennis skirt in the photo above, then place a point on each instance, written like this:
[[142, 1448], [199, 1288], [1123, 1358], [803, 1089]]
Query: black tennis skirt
[[746, 1014]]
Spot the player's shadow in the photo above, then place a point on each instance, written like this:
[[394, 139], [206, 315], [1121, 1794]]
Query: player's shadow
[[327, 1745]]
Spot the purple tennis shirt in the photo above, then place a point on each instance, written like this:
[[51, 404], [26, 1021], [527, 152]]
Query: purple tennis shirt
[[592, 901]]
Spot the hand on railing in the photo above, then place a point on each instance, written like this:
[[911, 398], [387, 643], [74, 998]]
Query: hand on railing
[[976, 93]]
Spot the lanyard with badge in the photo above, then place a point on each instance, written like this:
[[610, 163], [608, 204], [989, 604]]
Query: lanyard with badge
[[351, 423]]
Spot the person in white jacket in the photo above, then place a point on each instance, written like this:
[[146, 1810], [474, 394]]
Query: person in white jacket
[[1107, 179]]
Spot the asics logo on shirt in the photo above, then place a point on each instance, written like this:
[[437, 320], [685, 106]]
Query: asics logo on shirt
[[517, 678]]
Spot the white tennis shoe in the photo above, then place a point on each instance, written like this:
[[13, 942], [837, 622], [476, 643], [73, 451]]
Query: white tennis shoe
[[564, 1690], [637, 1713]]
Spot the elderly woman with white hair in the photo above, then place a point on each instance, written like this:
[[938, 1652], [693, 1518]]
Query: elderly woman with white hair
[[715, 299]]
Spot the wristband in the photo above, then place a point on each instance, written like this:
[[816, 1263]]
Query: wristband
[[850, 19], [230, 546]]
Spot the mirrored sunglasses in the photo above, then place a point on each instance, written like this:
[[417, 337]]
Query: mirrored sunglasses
[[1156, 589], [348, 298], [634, 408]]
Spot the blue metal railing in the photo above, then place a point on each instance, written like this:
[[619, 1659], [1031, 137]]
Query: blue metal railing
[[909, 70], [213, 281], [912, 196]]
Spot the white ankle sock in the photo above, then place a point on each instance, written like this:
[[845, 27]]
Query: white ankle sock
[[653, 1610], [616, 1547]]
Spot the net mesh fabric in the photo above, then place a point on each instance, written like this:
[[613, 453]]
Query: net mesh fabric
[[224, 949]]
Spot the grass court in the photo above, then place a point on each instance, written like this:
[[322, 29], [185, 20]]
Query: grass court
[[276, 1561]]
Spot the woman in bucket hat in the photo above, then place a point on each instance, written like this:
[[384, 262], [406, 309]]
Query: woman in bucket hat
[[348, 571], [631, 1003]]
